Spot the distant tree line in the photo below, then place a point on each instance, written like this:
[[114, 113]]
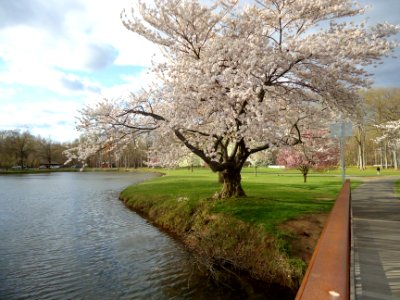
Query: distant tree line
[[133, 155], [21, 149], [24, 150], [366, 147], [370, 143]]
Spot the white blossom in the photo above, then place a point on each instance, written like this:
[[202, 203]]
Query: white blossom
[[241, 79]]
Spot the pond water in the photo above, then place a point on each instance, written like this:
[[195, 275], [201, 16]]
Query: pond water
[[67, 236]]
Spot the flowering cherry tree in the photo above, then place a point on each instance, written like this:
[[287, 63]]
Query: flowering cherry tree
[[316, 151], [236, 80]]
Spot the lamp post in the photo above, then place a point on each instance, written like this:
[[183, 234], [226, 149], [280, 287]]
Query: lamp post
[[341, 130]]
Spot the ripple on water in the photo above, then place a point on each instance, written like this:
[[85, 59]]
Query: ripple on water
[[66, 236]]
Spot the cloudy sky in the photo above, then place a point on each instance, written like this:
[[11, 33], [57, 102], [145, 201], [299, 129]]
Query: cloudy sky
[[56, 56]]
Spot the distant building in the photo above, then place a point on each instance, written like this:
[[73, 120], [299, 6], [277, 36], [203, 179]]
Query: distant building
[[53, 165]]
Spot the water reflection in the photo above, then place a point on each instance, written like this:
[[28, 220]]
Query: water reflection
[[65, 235]]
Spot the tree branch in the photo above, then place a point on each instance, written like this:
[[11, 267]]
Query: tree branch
[[143, 113], [195, 150]]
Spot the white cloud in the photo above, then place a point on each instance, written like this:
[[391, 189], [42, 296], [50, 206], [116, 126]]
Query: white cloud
[[74, 83], [133, 83], [44, 44], [49, 118], [130, 84], [90, 38], [106, 25], [37, 13], [38, 50], [33, 74], [7, 93]]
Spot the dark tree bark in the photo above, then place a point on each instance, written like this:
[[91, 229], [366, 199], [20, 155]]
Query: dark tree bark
[[220, 178], [232, 186], [305, 177], [304, 170]]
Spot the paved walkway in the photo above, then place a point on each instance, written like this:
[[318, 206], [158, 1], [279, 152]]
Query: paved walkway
[[376, 229]]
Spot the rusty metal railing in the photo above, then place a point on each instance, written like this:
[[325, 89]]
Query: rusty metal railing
[[328, 273]]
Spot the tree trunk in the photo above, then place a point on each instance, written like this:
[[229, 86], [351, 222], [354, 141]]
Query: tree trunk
[[305, 176], [220, 178], [231, 184], [385, 153], [304, 169], [361, 157], [395, 160], [360, 139], [364, 157]]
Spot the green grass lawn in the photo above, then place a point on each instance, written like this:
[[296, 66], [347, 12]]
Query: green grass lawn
[[272, 196], [273, 199], [244, 231], [349, 171]]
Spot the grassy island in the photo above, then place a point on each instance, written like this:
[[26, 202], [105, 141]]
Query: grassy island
[[270, 234]]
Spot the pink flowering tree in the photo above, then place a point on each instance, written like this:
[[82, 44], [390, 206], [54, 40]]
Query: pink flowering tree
[[316, 151], [239, 78]]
